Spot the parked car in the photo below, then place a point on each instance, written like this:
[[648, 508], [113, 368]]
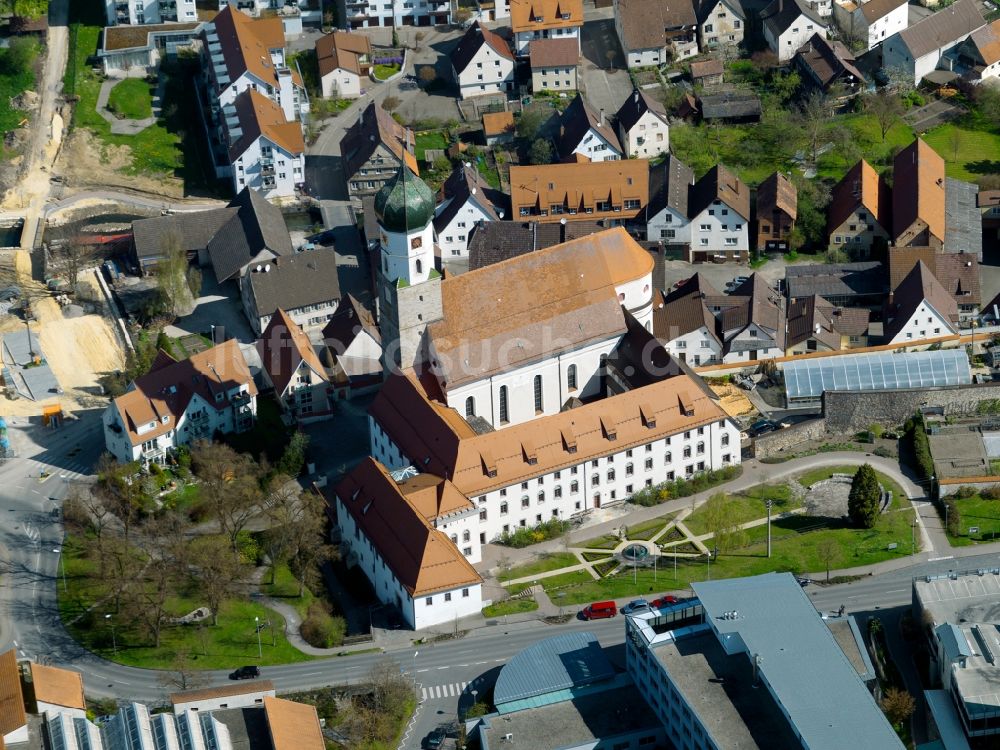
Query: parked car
[[599, 611], [635, 606], [663, 601], [803, 582], [679, 284], [434, 740], [762, 427], [744, 381], [245, 673]]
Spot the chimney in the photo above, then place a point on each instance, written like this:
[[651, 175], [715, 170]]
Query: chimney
[[602, 117], [636, 97]]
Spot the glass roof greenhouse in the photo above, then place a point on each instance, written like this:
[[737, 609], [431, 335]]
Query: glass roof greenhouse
[[806, 380]]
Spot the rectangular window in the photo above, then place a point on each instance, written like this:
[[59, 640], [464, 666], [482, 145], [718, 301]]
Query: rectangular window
[[465, 593], [447, 596], [429, 600]]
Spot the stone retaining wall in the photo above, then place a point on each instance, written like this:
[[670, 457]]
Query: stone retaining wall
[[851, 411], [789, 438]]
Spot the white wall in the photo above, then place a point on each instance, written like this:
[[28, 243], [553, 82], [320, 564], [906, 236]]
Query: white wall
[[148, 11], [891, 23], [487, 73], [596, 147], [925, 323], [723, 230], [454, 238], [793, 37], [572, 490], [553, 79], [751, 339], [696, 348], [340, 83], [861, 218], [654, 135], [54, 708], [400, 260], [669, 220], [248, 699], [523, 39], [289, 169], [444, 606]]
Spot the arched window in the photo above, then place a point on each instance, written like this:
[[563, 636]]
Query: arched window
[[470, 407], [538, 393], [420, 266], [503, 404], [571, 377]]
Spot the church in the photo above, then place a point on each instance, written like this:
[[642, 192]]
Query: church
[[528, 390]]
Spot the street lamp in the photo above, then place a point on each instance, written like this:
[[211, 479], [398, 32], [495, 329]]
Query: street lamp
[[413, 669], [260, 651], [62, 562], [768, 504], [913, 526], [114, 641], [708, 561]]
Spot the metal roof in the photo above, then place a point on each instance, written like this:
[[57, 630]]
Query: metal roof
[[956, 645], [558, 663], [771, 618], [876, 372]]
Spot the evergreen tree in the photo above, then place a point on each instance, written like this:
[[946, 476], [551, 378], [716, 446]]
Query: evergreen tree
[[863, 503]]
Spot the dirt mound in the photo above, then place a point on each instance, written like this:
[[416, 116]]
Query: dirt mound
[[733, 400], [26, 101], [85, 160]]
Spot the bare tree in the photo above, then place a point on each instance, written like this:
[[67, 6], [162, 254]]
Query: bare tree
[[308, 547], [217, 572], [827, 551], [885, 106], [171, 276], [183, 675], [120, 491], [814, 121], [230, 487]]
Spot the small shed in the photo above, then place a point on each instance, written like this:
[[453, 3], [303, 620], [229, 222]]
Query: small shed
[[498, 127], [731, 106], [707, 72]]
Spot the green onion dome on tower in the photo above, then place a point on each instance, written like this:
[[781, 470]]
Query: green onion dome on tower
[[405, 203]]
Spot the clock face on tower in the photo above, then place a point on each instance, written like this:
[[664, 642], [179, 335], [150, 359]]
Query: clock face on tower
[[416, 242]]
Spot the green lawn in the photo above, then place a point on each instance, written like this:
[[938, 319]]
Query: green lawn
[[981, 512], [232, 642], [747, 506], [182, 499], [546, 563], [132, 99], [607, 542], [269, 434], [174, 145], [510, 607], [867, 136], [433, 139], [384, 71], [17, 75], [969, 152], [648, 529], [899, 499], [286, 587]]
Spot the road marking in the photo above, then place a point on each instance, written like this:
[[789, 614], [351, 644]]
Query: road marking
[[935, 559], [423, 670], [442, 667], [896, 591], [451, 690], [481, 662]]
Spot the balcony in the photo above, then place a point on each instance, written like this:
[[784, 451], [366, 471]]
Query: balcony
[[267, 170]]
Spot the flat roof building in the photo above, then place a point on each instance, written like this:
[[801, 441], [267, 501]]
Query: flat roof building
[[699, 672]]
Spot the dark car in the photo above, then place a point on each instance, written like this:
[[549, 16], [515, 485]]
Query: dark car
[[434, 740], [635, 607], [762, 427], [245, 673]]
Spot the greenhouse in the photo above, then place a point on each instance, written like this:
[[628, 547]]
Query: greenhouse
[[806, 380]]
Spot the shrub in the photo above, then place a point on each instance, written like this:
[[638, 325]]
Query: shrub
[[524, 536], [917, 436], [991, 493], [884, 452], [660, 493], [964, 493], [954, 516], [320, 628], [876, 431]]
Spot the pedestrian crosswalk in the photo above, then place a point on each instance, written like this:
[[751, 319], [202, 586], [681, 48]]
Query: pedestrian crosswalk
[[452, 690]]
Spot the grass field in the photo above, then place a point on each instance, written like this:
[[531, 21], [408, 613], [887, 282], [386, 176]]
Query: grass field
[[648, 529], [232, 642], [17, 75], [433, 139], [607, 542], [132, 99], [867, 137], [745, 507], [544, 564], [981, 512], [510, 607], [968, 153], [286, 588]]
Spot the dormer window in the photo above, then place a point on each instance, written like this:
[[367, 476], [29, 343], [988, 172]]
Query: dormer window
[[609, 427], [165, 419], [218, 397]]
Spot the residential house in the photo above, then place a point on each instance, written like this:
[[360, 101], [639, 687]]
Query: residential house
[[303, 285], [788, 24], [643, 126], [616, 191], [670, 184], [979, 54], [652, 32], [180, 401], [918, 197], [827, 66], [721, 23], [863, 284], [719, 212], [585, 135], [919, 308], [860, 214], [531, 20], [870, 22], [482, 63], [256, 101], [57, 691], [291, 367], [958, 273], [554, 64], [708, 72], [395, 532], [239, 695], [266, 152], [360, 14], [137, 50], [495, 242], [139, 12], [293, 13], [734, 106], [686, 326], [817, 325], [344, 60], [353, 349], [372, 149], [777, 208], [13, 718], [498, 128], [466, 199], [751, 321], [248, 230], [932, 42]]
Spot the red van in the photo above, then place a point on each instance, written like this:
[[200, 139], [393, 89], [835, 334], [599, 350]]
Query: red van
[[600, 610]]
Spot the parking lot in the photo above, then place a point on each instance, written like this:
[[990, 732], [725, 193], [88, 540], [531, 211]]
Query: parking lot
[[606, 82]]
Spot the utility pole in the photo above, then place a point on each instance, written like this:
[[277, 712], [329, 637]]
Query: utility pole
[[260, 651], [913, 526], [708, 561], [768, 504]]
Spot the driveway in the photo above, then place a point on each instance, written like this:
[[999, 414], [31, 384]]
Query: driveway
[[605, 80], [720, 273], [218, 306]]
